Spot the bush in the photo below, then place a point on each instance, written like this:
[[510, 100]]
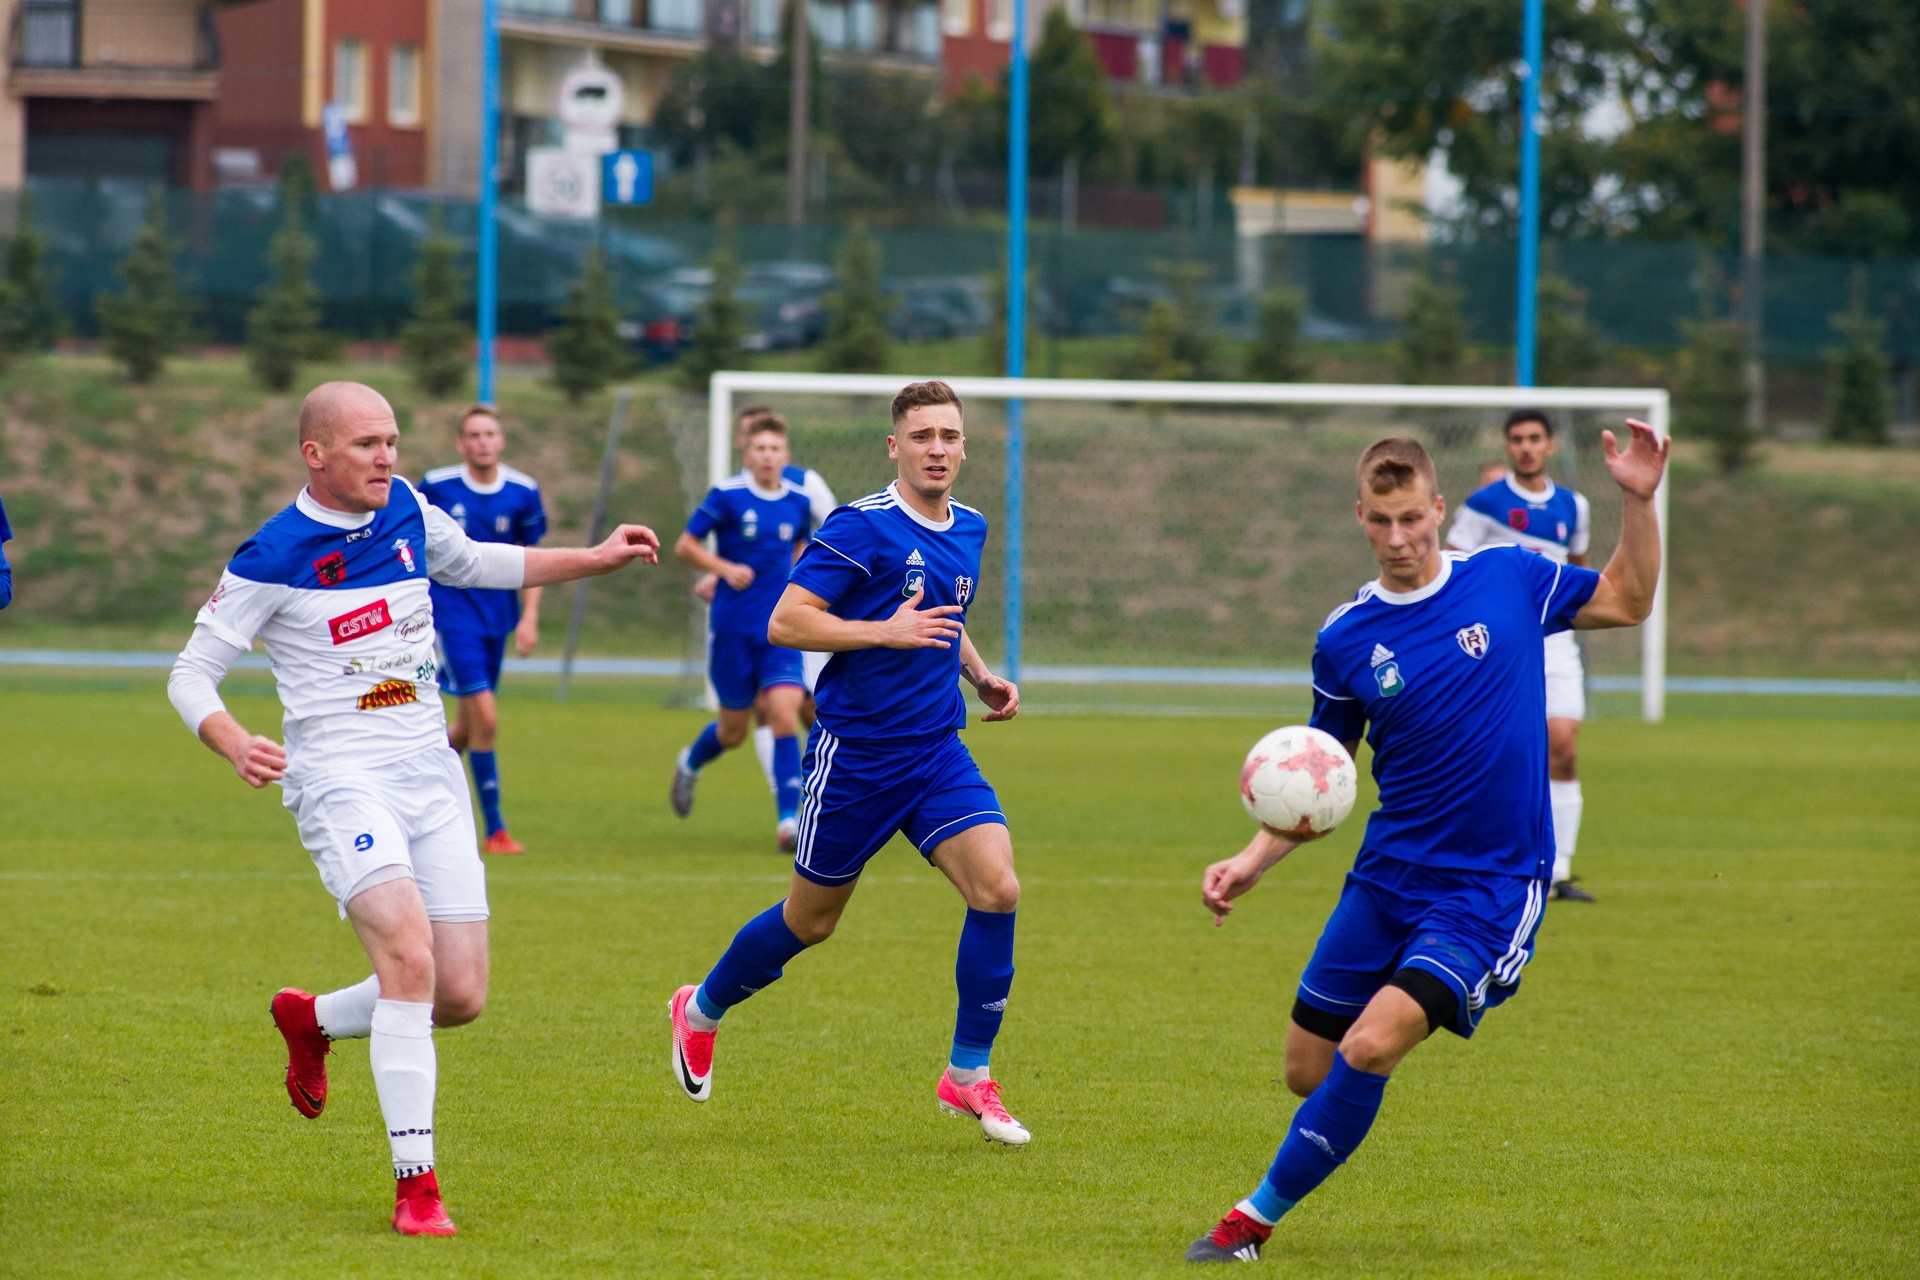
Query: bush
[[1713, 390], [1276, 355], [29, 317], [719, 336], [1177, 341], [1434, 344], [146, 321], [586, 350], [435, 340], [284, 327], [1567, 351], [1857, 407], [857, 309]]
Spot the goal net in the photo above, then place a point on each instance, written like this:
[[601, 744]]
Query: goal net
[[1161, 545]]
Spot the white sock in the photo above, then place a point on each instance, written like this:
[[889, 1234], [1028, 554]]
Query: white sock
[[967, 1076], [763, 747], [1566, 825], [347, 1014], [404, 1074], [1246, 1207]]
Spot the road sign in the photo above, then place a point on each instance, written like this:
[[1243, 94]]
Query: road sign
[[626, 177], [563, 183], [342, 174]]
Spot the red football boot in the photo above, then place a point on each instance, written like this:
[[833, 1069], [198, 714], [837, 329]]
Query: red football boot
[[307, 1050], [1235, 1238], [501, 842], [692, 1050], [417, 1210]]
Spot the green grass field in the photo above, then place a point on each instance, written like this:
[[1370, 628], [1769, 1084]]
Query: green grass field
[[1711, 1073]]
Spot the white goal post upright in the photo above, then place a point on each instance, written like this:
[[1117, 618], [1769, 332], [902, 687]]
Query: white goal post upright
[[1653, 405]]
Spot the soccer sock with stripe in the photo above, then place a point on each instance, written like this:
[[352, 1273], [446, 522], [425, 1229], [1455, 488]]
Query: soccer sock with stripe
[[486, 779], [786, 772], [1327, 1128], [404, 1074], [983, 973], [755, 961], [347, 1014], [1567, 804], [763, 747], [705, 749]]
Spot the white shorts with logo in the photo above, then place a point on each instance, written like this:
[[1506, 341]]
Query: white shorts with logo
[[811, 665], [408, 819], [1566, 679]]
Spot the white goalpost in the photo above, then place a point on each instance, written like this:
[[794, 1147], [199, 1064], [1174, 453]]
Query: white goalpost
[[1176, 428]]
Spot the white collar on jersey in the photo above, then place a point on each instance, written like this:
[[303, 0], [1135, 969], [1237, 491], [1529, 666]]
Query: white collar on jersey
[[938, 526], [780, 487], [498, 482], [328, 516], [1528, 495], [1418, 594]]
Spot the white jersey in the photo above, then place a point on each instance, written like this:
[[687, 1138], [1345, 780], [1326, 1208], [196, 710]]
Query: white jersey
[[341, 603], [1556, 522]]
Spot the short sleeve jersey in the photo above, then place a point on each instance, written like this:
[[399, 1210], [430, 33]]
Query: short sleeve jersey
[[1555, 523], [507, 510], [865, 561], [814, 485], [1449, 684], [758, 528], [6, 570]]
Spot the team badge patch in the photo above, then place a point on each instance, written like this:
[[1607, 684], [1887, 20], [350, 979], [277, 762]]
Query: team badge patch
[[1389, 677], [1474, 640], [916, 580], [962, 590], [388, 693], [750, 524], [364, 621], [1517, 518], [332, 569], [405, 552]]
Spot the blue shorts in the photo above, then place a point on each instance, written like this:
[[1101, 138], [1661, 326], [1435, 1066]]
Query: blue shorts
[[470, 663], [858, 793], [1471, 929], [740, 666]]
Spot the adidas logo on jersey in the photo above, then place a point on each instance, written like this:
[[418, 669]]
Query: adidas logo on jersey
[[913, 558], [1381, 654]]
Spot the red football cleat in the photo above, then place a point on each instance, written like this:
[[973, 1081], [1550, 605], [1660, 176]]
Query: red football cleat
[[307, 1050], [1235, 1238], [501, 842], [417, 1210], [692, 1050]]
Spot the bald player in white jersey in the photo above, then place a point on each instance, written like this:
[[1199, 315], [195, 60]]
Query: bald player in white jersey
[[336, 587]]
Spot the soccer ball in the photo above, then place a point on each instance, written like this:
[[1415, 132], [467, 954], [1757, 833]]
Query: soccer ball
[[1299, 783]]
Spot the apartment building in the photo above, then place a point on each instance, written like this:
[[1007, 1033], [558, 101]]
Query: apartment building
[[1175, 43]]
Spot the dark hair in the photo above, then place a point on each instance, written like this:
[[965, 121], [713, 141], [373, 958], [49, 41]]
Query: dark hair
[[1393, 464], [924, 395], [1519, 416], [478, 409], [762, 424], [748, 414]]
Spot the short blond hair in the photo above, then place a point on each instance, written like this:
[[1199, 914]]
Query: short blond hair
[[1393, 464], [478, 409]]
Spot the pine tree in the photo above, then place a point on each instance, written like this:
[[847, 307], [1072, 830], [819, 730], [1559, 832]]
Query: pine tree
[[435, 341], [1434, 344], [857, 340], [1276, 355], [1857, 406], [586, 350], [284, 326], [1713, 390], [720, 334], [1177, 342], [1567, 351], [144, 323], [29, 315]]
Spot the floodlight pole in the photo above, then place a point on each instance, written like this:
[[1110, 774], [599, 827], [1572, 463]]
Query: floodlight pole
[[1016, 331], [1531, 56], [487, 248]]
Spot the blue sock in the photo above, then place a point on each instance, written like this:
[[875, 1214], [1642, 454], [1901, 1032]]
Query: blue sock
[[752, 963], [983, 972], [786, 775], [1328, 1127], [486, 778], [705, 749]]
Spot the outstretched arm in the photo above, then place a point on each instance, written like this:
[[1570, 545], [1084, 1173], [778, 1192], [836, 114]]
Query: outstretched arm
[[455, 560], [1624, 596], [801, 621]]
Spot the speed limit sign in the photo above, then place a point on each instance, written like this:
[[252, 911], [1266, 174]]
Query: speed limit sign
[[562, 183]]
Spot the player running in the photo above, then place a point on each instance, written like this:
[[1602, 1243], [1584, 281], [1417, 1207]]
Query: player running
[[1442, 657], [491, 502], [336, 587], [1526, 509], [760, 523], [885, 756]]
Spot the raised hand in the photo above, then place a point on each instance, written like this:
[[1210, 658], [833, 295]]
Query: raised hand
[[912, 627], [1637, 469], [626, 543]]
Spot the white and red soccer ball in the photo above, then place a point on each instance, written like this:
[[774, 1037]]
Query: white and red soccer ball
[[1299, 783]]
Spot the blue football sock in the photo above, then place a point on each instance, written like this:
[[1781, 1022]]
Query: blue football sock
[[983, 972], [786, 775], [486, 778], [1328, 1127], [705, 749], [752, 963]]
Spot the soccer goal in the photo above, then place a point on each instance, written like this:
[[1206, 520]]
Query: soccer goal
[[1191, 532]]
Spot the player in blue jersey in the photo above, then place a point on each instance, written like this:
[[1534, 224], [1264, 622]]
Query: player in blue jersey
[[884, 587], [491, 502], [1440, 661], [1522, 506], [759, 524], [6, 570]]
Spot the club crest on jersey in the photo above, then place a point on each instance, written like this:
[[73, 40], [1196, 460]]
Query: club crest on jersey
[[502, 523], [1517, 518], [459, 513], [750, 524], [406, 553], [916, 579], [388, 693], [962, 589], [332, 569], [1387, 674], [1474, 640], [786, 532], [364, 621]]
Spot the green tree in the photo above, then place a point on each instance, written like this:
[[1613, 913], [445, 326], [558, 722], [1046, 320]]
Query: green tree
[[283, 328], [1567, 350], [1276, 354], [1177, 341], [435, 340], [857, 310], [1857, 406], [1069, 115], [719, 335], [1713, 390], [586, 350], [1434, 344], [993, 339], [146, 320], [29, 314]]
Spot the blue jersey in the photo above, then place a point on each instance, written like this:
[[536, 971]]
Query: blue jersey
[[508, 510], [758, 528], [1449, 683], [865, 561], [1553, 523], [6, 570]]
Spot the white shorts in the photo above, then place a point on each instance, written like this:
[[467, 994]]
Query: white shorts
[[811, 665], [1566, 679], [411, 819]]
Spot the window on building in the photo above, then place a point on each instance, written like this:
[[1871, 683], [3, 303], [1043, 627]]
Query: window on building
[[49, 33], [829, 23], [403, 86], [999, 19], [863, 25], [956, 17], [616, 13], [923, 36], [677, 15], [350, 79], [763, 21]]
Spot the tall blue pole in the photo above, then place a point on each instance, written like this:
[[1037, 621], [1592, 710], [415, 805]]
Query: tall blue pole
[[1016, 332], [1531, 56], [487, 267]]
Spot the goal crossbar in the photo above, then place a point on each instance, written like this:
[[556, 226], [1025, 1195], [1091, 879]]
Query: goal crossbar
[[1653, 405]]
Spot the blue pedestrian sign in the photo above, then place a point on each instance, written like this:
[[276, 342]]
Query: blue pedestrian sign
[[626, 177]]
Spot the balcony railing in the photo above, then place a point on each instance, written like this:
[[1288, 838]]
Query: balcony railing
[[904, 28], [47, 35]]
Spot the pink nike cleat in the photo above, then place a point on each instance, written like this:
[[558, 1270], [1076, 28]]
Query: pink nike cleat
[[981, 1102], [417, 1210], [692, 1050], [307, 1050]]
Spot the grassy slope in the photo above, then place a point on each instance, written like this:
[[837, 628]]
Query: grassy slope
[[1707, 1074]]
